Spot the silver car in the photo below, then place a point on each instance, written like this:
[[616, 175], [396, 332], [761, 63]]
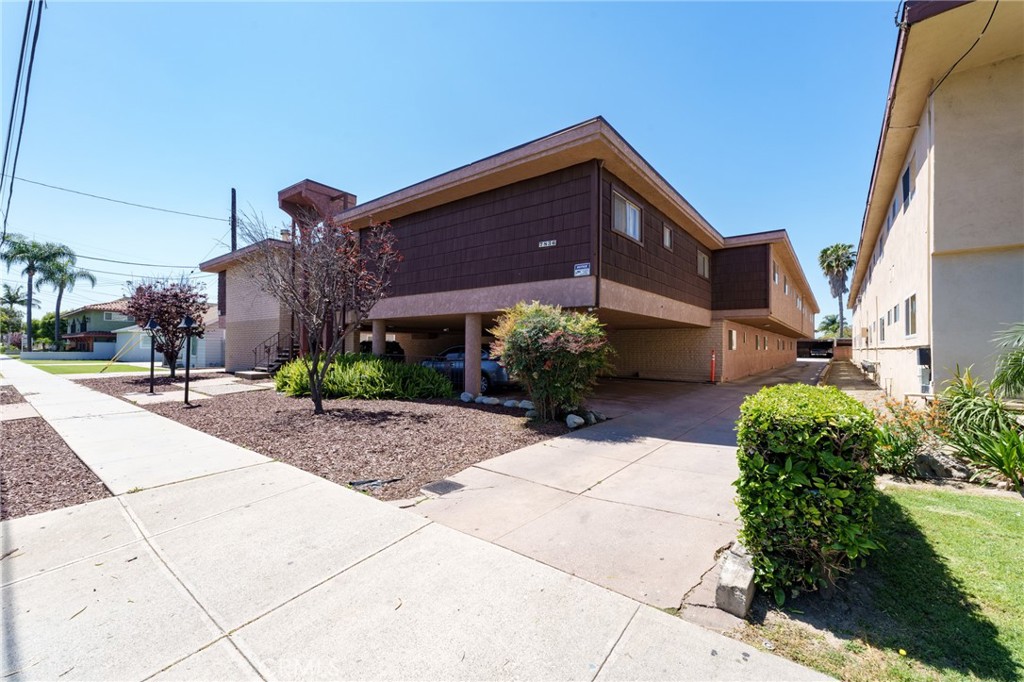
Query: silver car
[[452, 363]]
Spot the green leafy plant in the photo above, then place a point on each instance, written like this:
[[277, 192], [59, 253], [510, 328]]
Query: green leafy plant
[[555, 354], [365, 377], [904, 432], [806, 490], [1009, 377], [1000, 454], [970, 407]]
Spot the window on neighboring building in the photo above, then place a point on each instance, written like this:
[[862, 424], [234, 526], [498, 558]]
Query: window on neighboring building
[[881, 329], [888, 317], [114, 317], [703, 265], [896, 313], [775, 272], [910, 315], [907, 183], [144, 340], [666, 236], [895, 206], [626, 217], [732, 339]]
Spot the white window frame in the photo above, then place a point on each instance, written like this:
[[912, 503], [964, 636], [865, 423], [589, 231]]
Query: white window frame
[[732, 339], [703, 264], [666, 236], [109, 316], [625, 229]]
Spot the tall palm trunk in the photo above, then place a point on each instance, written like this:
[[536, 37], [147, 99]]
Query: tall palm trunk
[[56, 322], [28, 310], [841, 325]]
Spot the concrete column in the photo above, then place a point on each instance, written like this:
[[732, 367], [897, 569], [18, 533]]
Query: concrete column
[[474, 332], [379, 337]]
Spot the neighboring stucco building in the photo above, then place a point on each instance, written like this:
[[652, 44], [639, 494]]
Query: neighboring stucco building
[[577, 218], [133, 344], [940, 266]]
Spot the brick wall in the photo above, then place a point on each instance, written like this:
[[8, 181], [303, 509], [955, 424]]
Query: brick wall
[[685, 354], [252, 316]]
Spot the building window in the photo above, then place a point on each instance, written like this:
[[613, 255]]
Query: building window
[[775, 272], [114, 317], [908, 183], [144, 340], [666, 236], [910, 315], [888, 317], [764, 344], [732, 339], [896, 313], [757, 342], [703, 265], [785, 285], [895, 206], [799, 302], [881, 329], [626, 217]]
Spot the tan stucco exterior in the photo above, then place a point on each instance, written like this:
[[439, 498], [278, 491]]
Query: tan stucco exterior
[[957, 245]]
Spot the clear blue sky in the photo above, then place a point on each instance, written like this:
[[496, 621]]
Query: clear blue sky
[[763, 115]]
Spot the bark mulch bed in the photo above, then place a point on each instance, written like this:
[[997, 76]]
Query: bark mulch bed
[[419, 442], [10, 396], [38, 471]]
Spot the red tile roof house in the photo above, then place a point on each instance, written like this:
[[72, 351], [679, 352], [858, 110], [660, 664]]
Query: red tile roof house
[[577, 218]]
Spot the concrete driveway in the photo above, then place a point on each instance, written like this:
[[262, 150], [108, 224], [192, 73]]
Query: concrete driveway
[[639, 504]]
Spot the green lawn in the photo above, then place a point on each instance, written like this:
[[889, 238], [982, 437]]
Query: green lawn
[[83, 366], [948, 593]]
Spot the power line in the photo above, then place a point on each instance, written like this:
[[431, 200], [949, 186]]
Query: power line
[[118, 201], [126, 262], [969, 50], [24, 104]]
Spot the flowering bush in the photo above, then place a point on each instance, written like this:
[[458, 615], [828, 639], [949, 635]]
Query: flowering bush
[[904, 432], [556, 355]]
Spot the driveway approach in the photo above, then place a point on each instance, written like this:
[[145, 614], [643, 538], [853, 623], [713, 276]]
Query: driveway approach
[[639, 504], [253, 569]]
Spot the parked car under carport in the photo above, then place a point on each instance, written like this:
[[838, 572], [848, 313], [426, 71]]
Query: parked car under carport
[[452, 363]]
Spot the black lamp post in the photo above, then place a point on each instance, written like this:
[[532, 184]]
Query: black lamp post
[[187, 324], [151, 328]]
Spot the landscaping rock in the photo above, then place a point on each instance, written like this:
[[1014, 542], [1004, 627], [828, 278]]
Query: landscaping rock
[[574, 422], [590, 418], [466, 397], [511, 403], [941, 465], [492, 401], [600, 416], [532, 414], [526, 405], [735, 591], [480, 400]]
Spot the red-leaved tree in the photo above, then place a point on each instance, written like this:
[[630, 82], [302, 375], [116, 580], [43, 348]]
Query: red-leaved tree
[[168, 302], [329, 276]]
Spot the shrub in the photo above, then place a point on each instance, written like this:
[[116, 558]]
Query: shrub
[[1009, 377], [970, 407], [556, 355], [904, 432], [366, 377], [806, 491], [1000, 454]]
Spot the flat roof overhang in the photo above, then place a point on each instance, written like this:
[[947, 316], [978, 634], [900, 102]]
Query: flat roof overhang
[[761, 319], [935, 36], [612, 319], [593, 139]]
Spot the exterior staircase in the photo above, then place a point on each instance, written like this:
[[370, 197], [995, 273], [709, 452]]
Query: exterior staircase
[[271, 354]]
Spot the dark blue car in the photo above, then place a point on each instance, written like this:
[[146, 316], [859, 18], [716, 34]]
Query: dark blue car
[[452, 363]]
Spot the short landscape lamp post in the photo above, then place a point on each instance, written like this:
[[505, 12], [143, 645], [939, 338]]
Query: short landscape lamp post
[[187, 324], [151, 328]]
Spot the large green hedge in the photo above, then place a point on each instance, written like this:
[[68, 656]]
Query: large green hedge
[[367, 377], [806, 489]]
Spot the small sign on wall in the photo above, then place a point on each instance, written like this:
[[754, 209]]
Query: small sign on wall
[[581, 270], [546, 243]]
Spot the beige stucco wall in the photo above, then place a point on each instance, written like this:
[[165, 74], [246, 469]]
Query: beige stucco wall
[[251, 317], [960, 244], [902, 269]]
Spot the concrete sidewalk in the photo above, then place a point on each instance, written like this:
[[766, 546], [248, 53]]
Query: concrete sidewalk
[[250, 569], [640, 504]]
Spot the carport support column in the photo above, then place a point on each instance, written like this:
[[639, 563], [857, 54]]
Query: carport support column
[[474, 333], [379, 337]]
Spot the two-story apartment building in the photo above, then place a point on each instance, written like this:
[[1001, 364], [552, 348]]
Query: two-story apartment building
[[579, 219], [940, 267], [95, 323]]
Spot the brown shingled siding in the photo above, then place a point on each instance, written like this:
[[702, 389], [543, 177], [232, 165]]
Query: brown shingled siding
[[649, 265], [740, 277], [492, 238]]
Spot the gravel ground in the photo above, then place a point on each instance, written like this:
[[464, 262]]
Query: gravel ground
[[9, 396], [38, 471], [418, 442]]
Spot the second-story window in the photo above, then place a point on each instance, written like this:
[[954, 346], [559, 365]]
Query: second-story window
[[785, 285], [703, 265], [775, 272], [666, 236], [626, 216]]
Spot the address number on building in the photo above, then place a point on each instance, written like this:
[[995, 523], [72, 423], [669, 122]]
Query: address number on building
[[581, 270], [547, 243]]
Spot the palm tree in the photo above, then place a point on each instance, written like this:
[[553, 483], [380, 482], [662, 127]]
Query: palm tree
[[829, 327], [62, 274], [33, 255], [835, 262], [8, 300]]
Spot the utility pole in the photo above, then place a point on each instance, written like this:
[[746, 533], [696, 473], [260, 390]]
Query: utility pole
[[234, 222]]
